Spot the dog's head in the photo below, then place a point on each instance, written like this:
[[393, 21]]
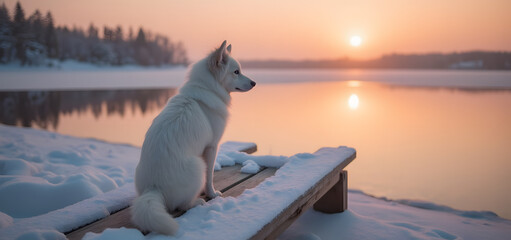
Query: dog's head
[[228, 71]]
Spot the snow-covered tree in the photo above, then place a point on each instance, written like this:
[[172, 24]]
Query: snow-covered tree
[[35, 26], [34, 39], [35, 50]]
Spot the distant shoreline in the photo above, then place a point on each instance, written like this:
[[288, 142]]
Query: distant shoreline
[[473, 60], [70, 65]]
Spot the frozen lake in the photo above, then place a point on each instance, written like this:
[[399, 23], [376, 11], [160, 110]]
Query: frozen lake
[[440, 136]]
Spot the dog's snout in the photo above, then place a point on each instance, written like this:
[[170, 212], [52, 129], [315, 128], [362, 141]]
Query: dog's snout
[[252, 83]]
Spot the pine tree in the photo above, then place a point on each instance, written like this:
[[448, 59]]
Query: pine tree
[[20, 33], [142, 55], [93, 32], [6, 38], [36, 30], [130, 35], [50, 37], [118, 35], [4, 14], [108, 34], [180, 54], [141, 40]]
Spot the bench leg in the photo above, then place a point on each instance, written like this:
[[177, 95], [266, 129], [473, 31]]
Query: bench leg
[[336, 199]]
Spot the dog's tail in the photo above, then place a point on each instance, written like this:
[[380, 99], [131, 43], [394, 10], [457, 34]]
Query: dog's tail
[[150, 214]]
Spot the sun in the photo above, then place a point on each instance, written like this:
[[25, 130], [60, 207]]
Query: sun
[[355, 41]]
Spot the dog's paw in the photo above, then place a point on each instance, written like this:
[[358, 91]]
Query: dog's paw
[[215, 194]]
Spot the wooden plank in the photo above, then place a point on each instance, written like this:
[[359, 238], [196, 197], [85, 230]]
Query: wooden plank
[[336, 199], [116, 220], [227, 176], [250, 183], [274, 228], [250, 150]]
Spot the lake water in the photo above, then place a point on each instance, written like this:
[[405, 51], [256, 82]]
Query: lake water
[[432, 137]]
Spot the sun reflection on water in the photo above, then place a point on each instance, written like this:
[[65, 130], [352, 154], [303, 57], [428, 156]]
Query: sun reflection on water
[[353, 101]]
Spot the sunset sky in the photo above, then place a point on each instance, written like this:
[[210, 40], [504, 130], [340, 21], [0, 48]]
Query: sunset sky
[[295, 29]]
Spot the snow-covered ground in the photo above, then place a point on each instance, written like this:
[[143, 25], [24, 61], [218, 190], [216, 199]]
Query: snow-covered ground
[[76, 75], [51, 183]]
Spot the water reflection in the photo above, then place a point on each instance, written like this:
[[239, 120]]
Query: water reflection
[[43, 108]]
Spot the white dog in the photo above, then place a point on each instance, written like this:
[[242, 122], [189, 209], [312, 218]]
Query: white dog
[[180, 147]]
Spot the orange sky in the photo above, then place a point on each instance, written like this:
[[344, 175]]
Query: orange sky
[[295, 29]]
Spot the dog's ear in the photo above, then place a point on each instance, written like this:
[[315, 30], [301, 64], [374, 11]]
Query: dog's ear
[[219, 56], [229, 48]]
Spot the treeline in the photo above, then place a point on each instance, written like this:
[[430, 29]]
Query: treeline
[[35, 40], [481, 60]]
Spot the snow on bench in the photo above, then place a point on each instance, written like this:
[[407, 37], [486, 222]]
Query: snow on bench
[[262, 205]]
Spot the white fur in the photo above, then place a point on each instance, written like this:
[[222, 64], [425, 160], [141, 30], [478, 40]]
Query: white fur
[[180, 147]]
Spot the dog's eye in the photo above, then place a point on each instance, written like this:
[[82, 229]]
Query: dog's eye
[[237, 72]]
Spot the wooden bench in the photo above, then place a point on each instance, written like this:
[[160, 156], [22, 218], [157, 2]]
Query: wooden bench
[[328, 195]]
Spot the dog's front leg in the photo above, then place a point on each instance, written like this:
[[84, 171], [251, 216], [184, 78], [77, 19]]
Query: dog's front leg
[[209, 157]]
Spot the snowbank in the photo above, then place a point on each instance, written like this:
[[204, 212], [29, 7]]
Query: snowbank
[[372, 218], [43, 171], [50, 183]]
